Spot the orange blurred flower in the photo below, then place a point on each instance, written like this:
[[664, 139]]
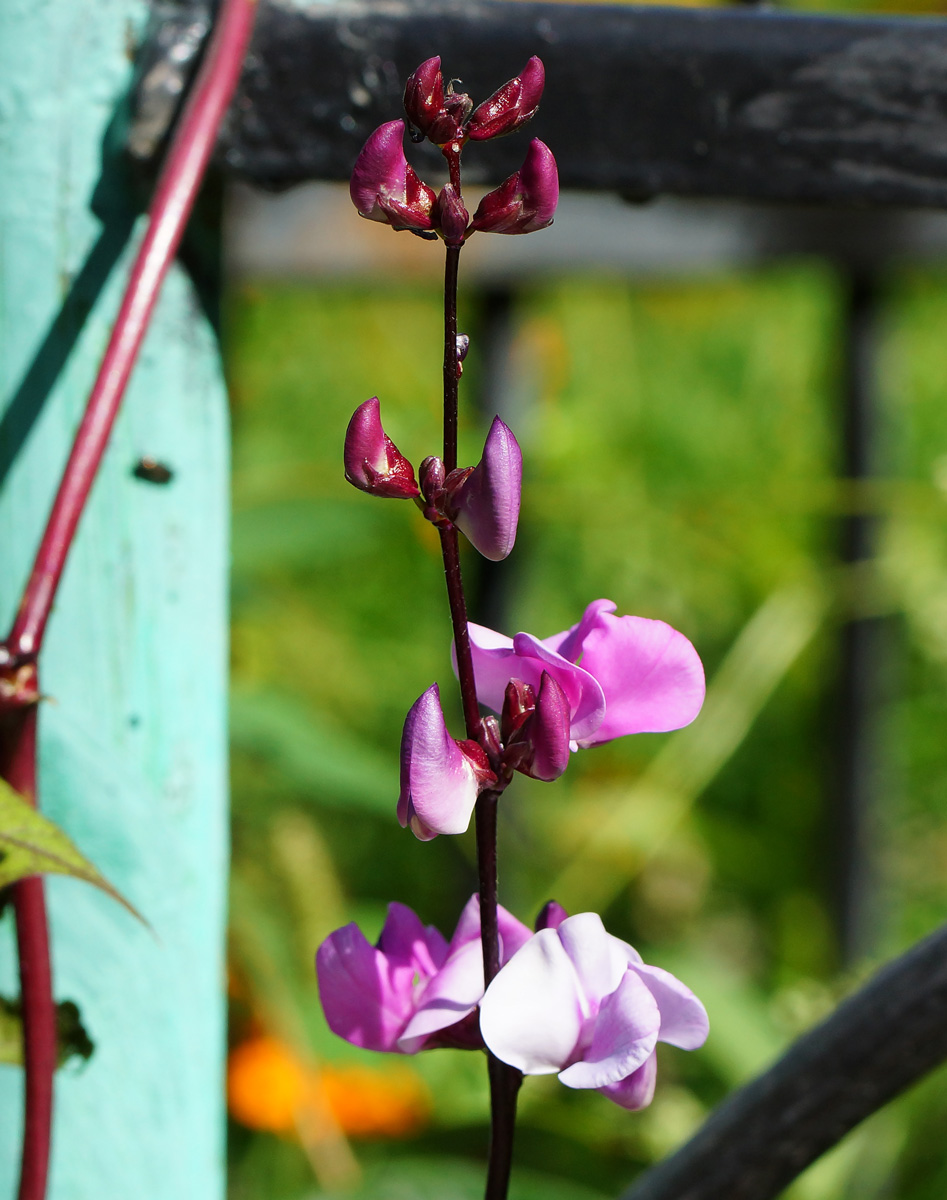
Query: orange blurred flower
[[270, 1088]]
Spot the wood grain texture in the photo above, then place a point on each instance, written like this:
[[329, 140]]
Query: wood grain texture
[[132, 743]]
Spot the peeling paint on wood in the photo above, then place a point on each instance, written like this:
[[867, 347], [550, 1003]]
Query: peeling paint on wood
[[132, 752]]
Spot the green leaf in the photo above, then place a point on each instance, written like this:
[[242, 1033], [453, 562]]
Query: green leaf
[[31, 844], [72, 1041]]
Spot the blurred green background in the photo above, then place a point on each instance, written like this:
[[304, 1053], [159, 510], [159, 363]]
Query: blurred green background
[[681, 457]]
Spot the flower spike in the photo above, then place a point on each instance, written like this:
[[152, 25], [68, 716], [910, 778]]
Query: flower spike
[[373, 463], [527, 200], [440, 777], [384, 186], [510, 106], [486, 507]]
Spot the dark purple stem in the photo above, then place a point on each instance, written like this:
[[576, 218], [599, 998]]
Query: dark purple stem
[[504, 1080]]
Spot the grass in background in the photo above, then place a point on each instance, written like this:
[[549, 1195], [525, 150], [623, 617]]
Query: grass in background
[[680, 446]]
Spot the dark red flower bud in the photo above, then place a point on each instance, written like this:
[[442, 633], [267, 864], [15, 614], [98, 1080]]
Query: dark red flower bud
[[384, 186], [373, 463], [431, 474], [450, 217], [547, 733], [510, 106], [526, 201], [424, 95]]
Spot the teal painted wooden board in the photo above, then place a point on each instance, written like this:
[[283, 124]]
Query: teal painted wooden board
[[132, 743]]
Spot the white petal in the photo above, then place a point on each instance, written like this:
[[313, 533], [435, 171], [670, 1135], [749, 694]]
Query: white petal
[[626, 1032], [531, 1015]]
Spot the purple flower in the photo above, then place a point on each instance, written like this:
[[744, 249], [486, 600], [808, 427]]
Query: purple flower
[[373, 463], [527, 200], [581, 1003], [412, 991], [620, 675], [384, 186], [441, 777], [510, 106]]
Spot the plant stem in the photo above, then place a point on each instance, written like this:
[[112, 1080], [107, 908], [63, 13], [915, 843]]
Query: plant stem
[[18, 768], [451, 264], [504, 1080]]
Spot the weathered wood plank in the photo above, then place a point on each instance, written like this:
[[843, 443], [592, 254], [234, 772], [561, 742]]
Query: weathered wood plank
[[707, 102], [132, 742]]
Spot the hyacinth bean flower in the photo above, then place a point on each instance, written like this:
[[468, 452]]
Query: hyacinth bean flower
[[373, 463], [433, 114], [441, 777], [384, 186], [581, 1003], [620, 675], [510, 106], [411, 991], [526, 201]]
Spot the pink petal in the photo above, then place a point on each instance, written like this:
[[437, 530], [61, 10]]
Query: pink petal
[[637, 1090], [651, 676], [532, 1013], [454, 992], [373, 463], [684, 1020], [439, 785], [489, 500], [624, 1037]]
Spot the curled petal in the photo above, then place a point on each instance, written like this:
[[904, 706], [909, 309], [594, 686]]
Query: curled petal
[[440, 779], [527, 200], [384, 187], [637, 1090], [684, 1021], [510, 106], [488, 503], [624, 1037], [373, 463]]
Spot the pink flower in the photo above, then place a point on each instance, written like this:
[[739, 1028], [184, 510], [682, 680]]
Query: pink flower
[[510, 106], [384, 186], [441, 777], [620, 675], [581, 1003], [527, 200], [373, 463], [412, 991]]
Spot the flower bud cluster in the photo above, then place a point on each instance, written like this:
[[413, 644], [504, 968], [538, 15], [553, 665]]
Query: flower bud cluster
[[482, 501], [384, 186]]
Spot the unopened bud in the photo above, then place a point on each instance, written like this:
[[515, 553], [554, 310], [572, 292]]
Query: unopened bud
[[551, 916], [373, 463], [510, 106], [431, 476], [548, 732], [519, 702], [527, 200], [450, 217]]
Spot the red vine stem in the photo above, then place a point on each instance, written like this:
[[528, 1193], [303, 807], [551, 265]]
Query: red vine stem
[[178, 184]]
